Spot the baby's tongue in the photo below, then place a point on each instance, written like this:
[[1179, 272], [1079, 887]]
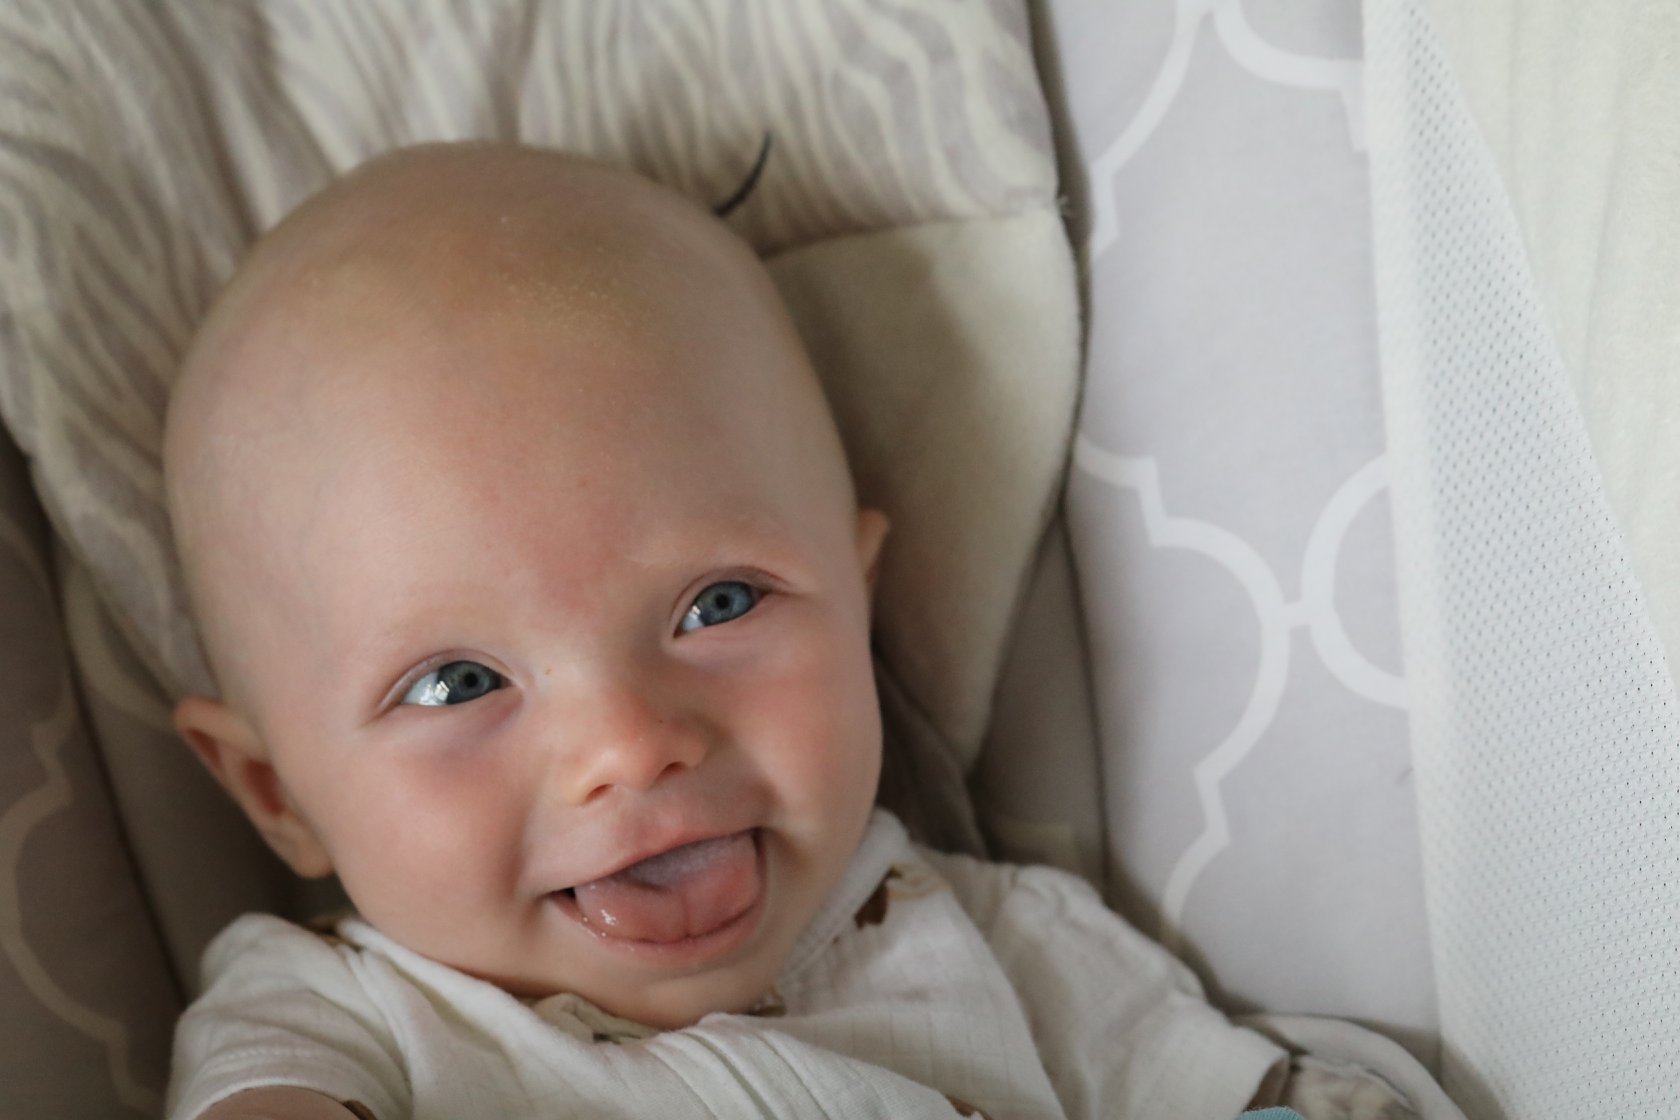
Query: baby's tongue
[[684, 892]]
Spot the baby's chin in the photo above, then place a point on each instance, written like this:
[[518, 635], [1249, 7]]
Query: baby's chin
[[665, 1002]]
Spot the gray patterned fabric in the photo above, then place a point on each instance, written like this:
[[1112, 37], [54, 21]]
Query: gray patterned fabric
[[87, 999], [1228, 511]]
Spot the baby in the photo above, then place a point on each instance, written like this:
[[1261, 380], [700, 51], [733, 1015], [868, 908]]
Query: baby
[[526, 556]]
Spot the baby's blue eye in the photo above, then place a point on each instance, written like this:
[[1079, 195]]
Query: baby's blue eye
[[454, 683], [721, 602]]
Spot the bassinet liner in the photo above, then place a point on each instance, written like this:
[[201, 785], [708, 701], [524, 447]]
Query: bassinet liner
[[1435, 292]]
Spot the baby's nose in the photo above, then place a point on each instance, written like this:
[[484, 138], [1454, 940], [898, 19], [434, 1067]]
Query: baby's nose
[[630, 744]]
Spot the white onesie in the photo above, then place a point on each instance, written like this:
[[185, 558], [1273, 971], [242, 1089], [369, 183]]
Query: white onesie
[[928, 985]]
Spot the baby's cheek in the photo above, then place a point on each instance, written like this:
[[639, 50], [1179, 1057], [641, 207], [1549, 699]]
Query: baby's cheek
[[416, 832], [840, 761]]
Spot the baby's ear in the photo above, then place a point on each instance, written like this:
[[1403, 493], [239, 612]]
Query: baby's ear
[[872, 529], [235, 754]]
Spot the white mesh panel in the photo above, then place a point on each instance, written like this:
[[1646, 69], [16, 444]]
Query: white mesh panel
[[1542, 710]]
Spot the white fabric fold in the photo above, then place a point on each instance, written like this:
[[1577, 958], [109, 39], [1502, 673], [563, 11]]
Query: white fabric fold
[[1543, 713]]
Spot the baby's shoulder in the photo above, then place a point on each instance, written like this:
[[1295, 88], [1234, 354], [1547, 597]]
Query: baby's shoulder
[[983, 886], [269, 943]]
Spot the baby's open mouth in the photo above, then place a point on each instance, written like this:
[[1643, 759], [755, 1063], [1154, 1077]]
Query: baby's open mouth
[[678, 895]]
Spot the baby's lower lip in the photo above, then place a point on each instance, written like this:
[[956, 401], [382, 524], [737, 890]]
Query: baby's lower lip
[[687, 951]]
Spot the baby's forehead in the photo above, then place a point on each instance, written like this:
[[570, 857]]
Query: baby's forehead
[[611, 263], [398, 256], [482, 282]]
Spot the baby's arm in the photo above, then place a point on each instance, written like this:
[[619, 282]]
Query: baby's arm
[[1121, 1022], [1121, 1025], [277, 1102], [290, 1013], [1322, 1090]]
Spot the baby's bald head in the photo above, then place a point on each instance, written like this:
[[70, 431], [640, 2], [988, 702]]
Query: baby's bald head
[[449, 299]]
